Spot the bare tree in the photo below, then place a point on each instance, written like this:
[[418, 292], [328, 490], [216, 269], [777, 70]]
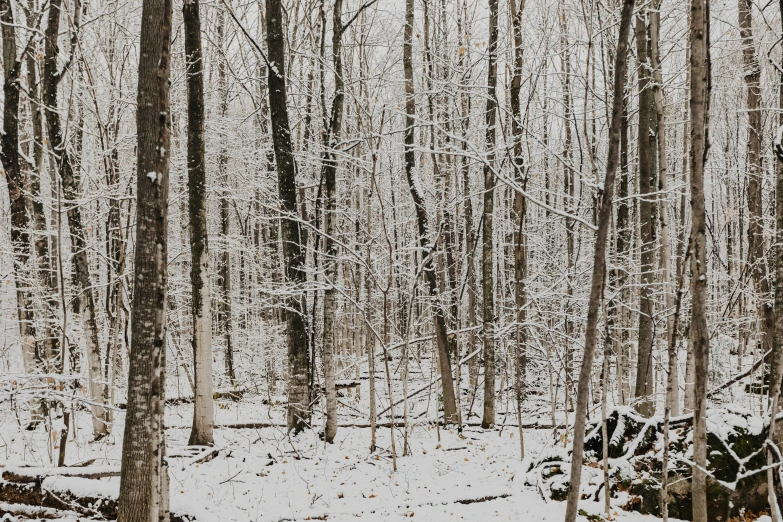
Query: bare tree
[[599, 260], [69, 177], [425, 245]]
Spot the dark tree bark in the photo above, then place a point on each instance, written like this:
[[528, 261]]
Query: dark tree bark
[[85, 304], [648, 173], [144, 488], [623, 253], [599, 260], [757, 261], [487, 248], [47, 274], [699, 41], [426, 248], [298, 412], [20, 220], [203, 407], [226, 310]]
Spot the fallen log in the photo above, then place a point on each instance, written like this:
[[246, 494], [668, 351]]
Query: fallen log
[[24, 475], [386, 424], [60, 493]]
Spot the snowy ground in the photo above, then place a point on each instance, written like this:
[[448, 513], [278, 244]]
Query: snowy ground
[[261, 474]]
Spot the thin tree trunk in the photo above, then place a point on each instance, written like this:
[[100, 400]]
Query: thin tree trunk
[[776, 370], [85, 304], [449, 401], [201, 308], [599, 263], [330, 221], [487, 249], [144, 478], [624, 257], [225, 210], [672, 380], [520, 213], [699, 119]]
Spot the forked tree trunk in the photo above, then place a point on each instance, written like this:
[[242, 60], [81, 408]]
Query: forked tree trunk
[[599, 261], [488, 250], [700, 336], [85, 304], [201, 308], [298, 410], [144, 490]]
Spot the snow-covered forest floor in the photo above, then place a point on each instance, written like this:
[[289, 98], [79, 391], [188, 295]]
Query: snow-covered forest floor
[[262, 474]]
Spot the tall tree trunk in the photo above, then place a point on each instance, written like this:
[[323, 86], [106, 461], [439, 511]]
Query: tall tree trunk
[[568, 204], [599, 261], [624, 256], [20, 221], [672, 379], [144, 484], [487, 249], [203, 406], [298, 410], [426, 248], [756, 260], [700, 336], [225, 208], [776, 370], [520, 213], [47, 275], [648, 166], [85, 304], [330, 221], [469, 233]]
